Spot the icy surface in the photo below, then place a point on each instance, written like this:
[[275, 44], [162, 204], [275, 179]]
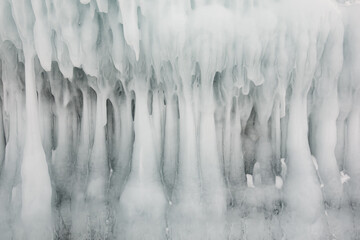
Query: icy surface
[[179, 119]]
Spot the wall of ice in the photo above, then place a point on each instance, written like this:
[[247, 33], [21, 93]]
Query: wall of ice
[[190, 119]]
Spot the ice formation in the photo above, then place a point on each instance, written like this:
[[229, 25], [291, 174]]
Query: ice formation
[[179, 119]]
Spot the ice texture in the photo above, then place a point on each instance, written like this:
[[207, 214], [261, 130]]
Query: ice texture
[[179, 119]]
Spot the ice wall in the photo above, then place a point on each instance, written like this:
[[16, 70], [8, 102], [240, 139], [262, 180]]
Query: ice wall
[[179, 119]]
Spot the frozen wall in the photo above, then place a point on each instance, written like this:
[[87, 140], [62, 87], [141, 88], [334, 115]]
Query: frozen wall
[[179, 119]]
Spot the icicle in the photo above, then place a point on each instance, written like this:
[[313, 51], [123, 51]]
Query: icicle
[[123, 140], [42, 34], [186, 198], [14, 100], [36, 186], [323, 120], [236, 165], [130, 22], [143, 199], [171, 142], [86, 141]]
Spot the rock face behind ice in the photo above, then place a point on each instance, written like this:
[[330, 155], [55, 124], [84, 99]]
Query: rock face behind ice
[[179, 119]]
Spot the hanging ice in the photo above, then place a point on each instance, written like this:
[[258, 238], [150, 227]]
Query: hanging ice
[[179, 119]]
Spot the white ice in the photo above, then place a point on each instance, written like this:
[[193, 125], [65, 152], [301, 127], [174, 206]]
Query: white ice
[[179, 119]]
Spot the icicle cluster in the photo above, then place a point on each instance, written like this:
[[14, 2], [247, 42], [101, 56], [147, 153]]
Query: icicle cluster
[[179, 119]]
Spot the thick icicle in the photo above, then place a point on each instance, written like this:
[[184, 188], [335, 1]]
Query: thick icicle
[[143, 199]]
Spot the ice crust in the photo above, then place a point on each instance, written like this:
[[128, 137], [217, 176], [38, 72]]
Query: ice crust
[[179, 119]]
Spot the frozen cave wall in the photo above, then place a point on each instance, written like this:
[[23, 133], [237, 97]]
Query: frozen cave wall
[[179, 119]]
